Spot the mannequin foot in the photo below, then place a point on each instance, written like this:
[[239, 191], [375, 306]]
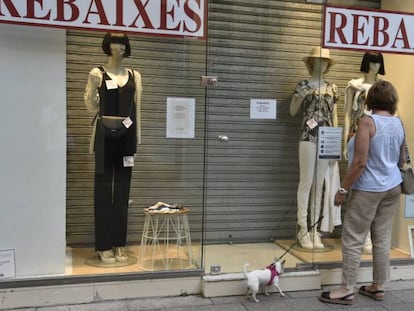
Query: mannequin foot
[[368, 246], [107, 256], [305, 240], [120, 254], [316, 238]]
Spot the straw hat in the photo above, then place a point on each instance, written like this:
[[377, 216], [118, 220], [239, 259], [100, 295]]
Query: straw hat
[[318, 52]]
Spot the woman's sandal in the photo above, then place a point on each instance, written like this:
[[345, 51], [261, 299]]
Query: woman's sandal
[[376, 295], [345, 300]]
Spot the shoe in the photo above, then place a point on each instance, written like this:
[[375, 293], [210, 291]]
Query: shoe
[[376, 295], [317, 242], [120, 254], [345, 300], [305, 240], [107, 256]]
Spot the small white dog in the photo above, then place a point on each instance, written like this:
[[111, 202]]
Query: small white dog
[[265, 277]]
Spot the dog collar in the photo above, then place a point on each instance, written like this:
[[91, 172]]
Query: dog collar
[[273, 273]]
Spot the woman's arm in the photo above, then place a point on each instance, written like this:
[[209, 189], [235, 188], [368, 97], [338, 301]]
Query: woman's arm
[[366, 129]]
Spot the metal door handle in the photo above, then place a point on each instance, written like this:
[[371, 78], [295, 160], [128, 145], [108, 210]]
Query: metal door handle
[[223, 138]]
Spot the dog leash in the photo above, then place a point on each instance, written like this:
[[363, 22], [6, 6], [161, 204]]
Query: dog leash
[[296, 242]]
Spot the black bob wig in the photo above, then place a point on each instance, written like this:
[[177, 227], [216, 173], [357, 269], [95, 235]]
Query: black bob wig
[[372, 57], [116, 38]]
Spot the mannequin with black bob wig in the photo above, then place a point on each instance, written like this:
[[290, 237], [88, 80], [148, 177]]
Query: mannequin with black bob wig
[[116, 89]]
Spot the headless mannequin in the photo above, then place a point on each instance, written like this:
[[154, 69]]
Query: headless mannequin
[[312, 171], [354, 110]]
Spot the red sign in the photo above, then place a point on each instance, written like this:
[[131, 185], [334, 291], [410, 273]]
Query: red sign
[[368, 30], [184, 18]]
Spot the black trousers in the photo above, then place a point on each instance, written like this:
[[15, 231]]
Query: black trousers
[[111, 197]]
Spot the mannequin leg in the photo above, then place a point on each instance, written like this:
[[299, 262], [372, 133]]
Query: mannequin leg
[[122, 183], [103, 211], [307, 158], [316, 199]]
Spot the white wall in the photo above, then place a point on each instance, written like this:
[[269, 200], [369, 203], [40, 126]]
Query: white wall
[[400, 72], [33, 148]]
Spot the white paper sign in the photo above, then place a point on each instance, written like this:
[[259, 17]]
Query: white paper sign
[[262, 108], [7, 264], [180, 117], [409, 206], [329, 145]]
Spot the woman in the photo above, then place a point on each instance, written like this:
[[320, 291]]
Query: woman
[[113, 92], [315, 98], [373, 181]]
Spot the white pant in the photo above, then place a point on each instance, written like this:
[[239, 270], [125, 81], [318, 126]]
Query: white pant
[[310, 183]]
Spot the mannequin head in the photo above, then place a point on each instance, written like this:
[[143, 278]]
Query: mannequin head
[[372, 57], [317, 57], [382, 96], [119, 38]]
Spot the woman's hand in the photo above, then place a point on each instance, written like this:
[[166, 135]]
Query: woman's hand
[[340, 198]]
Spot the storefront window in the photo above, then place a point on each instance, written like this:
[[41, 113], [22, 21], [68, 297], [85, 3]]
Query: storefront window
[[222, 165]]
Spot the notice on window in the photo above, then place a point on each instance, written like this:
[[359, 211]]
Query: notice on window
[[409, 206], [180, 117], [329, 145], [7, 264], [263, 108]]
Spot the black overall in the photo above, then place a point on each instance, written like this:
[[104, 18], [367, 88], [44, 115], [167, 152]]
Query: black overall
[[112, 179]]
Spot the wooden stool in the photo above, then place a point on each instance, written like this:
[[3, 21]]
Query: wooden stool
[[166, 241]]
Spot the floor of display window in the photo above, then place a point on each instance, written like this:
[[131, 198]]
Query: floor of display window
[[229, 258]]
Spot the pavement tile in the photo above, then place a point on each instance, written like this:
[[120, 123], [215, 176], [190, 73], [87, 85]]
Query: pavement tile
[[98, 306], [167, 303]]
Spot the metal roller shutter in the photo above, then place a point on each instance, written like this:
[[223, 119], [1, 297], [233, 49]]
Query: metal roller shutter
[[255, 49]]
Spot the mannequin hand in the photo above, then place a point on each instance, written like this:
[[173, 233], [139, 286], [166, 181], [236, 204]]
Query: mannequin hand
[[303, 92], [345, 154]]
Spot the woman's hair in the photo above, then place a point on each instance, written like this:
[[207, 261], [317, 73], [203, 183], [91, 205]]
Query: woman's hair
[[111, 37], [382, 96], [372, 57]]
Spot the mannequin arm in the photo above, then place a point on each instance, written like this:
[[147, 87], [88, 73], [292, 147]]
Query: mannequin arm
[[138, 93], [349, 95], [91, 95]]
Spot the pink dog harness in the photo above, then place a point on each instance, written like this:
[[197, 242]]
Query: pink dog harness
[[273, 273]]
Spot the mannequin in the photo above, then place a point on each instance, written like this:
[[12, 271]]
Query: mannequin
[[113, 90], [315, 99], [372, 65]]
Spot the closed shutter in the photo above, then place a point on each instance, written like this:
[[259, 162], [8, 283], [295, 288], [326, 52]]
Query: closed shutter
[[255, 49]]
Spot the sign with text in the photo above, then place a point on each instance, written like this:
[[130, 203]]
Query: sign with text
[[180, 117], [329, 143], [262, 108], [7, 264], [183, 18], [368, 30]]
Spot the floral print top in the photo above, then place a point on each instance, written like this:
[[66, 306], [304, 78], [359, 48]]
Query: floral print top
[[317, 105]]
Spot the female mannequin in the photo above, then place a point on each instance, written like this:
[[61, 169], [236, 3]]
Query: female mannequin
[[356, 91], [115, 91], [315, 98]]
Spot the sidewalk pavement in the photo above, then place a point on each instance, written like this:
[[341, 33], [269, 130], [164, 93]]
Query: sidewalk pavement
[[398, 297]]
